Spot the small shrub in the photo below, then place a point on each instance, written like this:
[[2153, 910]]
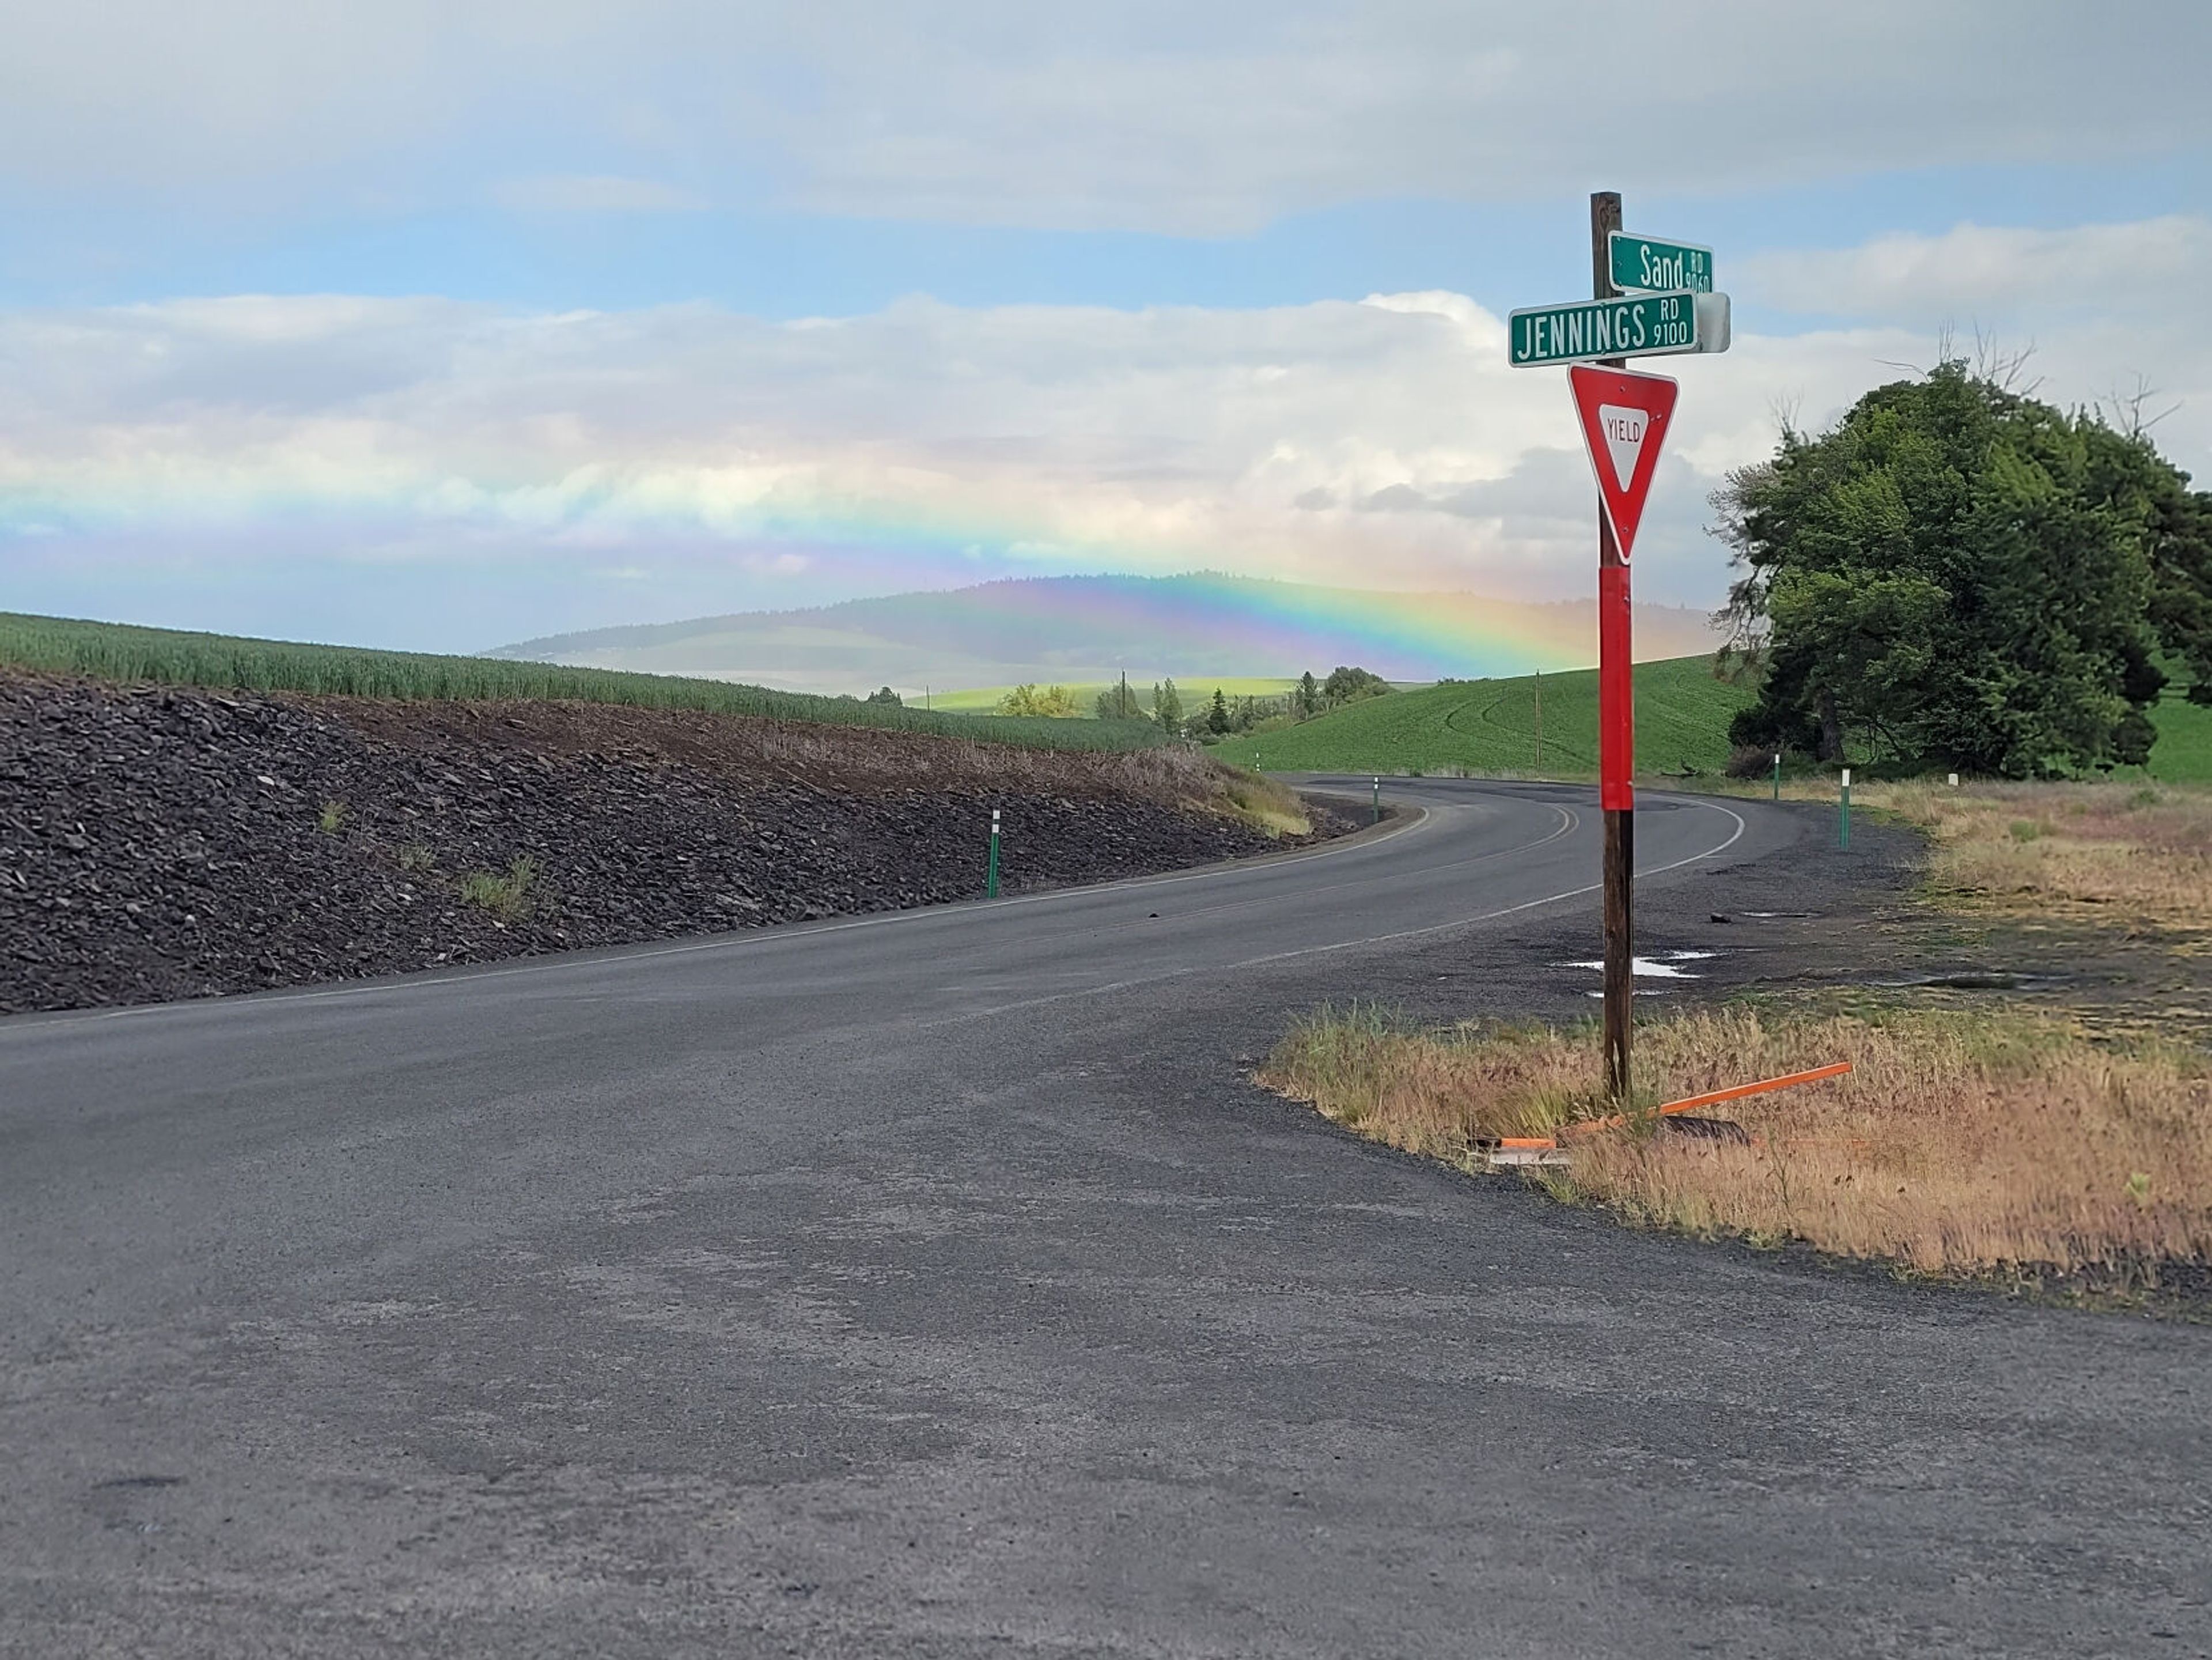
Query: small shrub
[[414, 856], [509, 896], [1750, 761], [332, 817]]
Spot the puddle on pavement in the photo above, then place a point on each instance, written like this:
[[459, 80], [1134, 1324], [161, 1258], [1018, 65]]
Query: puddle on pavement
[[1659, 965]]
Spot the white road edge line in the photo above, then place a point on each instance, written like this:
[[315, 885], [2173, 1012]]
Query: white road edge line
[[1735, 835]]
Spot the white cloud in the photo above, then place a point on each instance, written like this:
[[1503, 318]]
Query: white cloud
[[730, 461], [1981, 269], [1189, 119]]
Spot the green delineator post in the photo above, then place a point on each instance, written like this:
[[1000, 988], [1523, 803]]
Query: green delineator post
[[1377, 818], [991, 874], [1777, 775], [1843, 822]]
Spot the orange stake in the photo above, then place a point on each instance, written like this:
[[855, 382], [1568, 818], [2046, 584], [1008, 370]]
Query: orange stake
[[1689, 1103]]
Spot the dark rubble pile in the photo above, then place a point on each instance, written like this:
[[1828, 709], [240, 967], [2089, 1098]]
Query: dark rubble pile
[[159, 843]]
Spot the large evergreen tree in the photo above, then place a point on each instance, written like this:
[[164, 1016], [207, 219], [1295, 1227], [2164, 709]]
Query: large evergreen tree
[[1959, 575]]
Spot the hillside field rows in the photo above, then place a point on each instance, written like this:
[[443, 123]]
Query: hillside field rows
[[1682, 715], [120, 652]]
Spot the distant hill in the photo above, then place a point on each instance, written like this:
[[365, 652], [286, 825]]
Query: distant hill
[[1088, 629]]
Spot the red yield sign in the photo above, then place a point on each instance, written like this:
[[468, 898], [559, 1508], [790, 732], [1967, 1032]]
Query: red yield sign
[[1625, 420]]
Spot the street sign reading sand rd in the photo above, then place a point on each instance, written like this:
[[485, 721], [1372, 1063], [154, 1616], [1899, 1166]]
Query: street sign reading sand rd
[[1635, 325], [1650, 265]]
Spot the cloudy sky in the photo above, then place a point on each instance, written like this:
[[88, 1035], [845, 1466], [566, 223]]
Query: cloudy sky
[[441, 324]]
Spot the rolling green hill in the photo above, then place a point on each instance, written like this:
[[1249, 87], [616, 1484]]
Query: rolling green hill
[[1490, 726], [115, 651]]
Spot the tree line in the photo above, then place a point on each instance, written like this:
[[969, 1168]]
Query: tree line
[[1222, 715]]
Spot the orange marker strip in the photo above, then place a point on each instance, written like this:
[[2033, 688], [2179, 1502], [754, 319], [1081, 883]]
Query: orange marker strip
[[1714, 1097]]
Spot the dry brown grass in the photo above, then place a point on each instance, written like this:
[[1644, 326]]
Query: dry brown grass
[[2128, 856], [1959, 1145], [2125, 855], [857, 760]]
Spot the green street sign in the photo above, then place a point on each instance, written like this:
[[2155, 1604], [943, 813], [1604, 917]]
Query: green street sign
[[1648, 264], [1638, 325]]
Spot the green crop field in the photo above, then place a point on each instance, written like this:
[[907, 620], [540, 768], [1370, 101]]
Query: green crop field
[[1490, 726], [114, 651]]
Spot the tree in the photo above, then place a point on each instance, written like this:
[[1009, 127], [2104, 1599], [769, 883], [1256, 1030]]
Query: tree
[[1167, 708], [1307, 698], [1217, 718], [1117, 701], [1347, 685], [1052, 703], [1958, 575], [886, 695]]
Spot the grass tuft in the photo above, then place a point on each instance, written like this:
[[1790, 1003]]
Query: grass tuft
[[510, 896]]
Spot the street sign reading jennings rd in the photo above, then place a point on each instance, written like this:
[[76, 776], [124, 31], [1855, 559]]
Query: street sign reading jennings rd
[[1635, 325], [1650, 265]]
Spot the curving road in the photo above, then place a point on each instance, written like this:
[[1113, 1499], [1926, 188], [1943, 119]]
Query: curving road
[[933, 1284]]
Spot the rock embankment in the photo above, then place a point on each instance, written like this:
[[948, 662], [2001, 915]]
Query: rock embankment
[[159, 843]]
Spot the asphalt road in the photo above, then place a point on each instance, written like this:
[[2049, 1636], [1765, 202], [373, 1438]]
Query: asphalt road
[[934, 1285]]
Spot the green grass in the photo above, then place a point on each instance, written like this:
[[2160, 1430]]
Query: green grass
[[1194, 693], [509, 897], [2183, 754], [115, 651], [1681, 721], [1490, 726]]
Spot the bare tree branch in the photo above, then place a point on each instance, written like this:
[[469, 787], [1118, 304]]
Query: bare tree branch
[[2127, 415]]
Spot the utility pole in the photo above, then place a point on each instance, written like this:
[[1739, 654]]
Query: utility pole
[[1616, 721]]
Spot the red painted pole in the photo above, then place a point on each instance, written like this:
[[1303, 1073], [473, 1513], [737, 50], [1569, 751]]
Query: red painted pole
[[1616, 722], [1616, 694]]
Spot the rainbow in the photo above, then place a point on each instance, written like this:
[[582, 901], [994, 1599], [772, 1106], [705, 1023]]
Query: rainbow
[[1083, 629]]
